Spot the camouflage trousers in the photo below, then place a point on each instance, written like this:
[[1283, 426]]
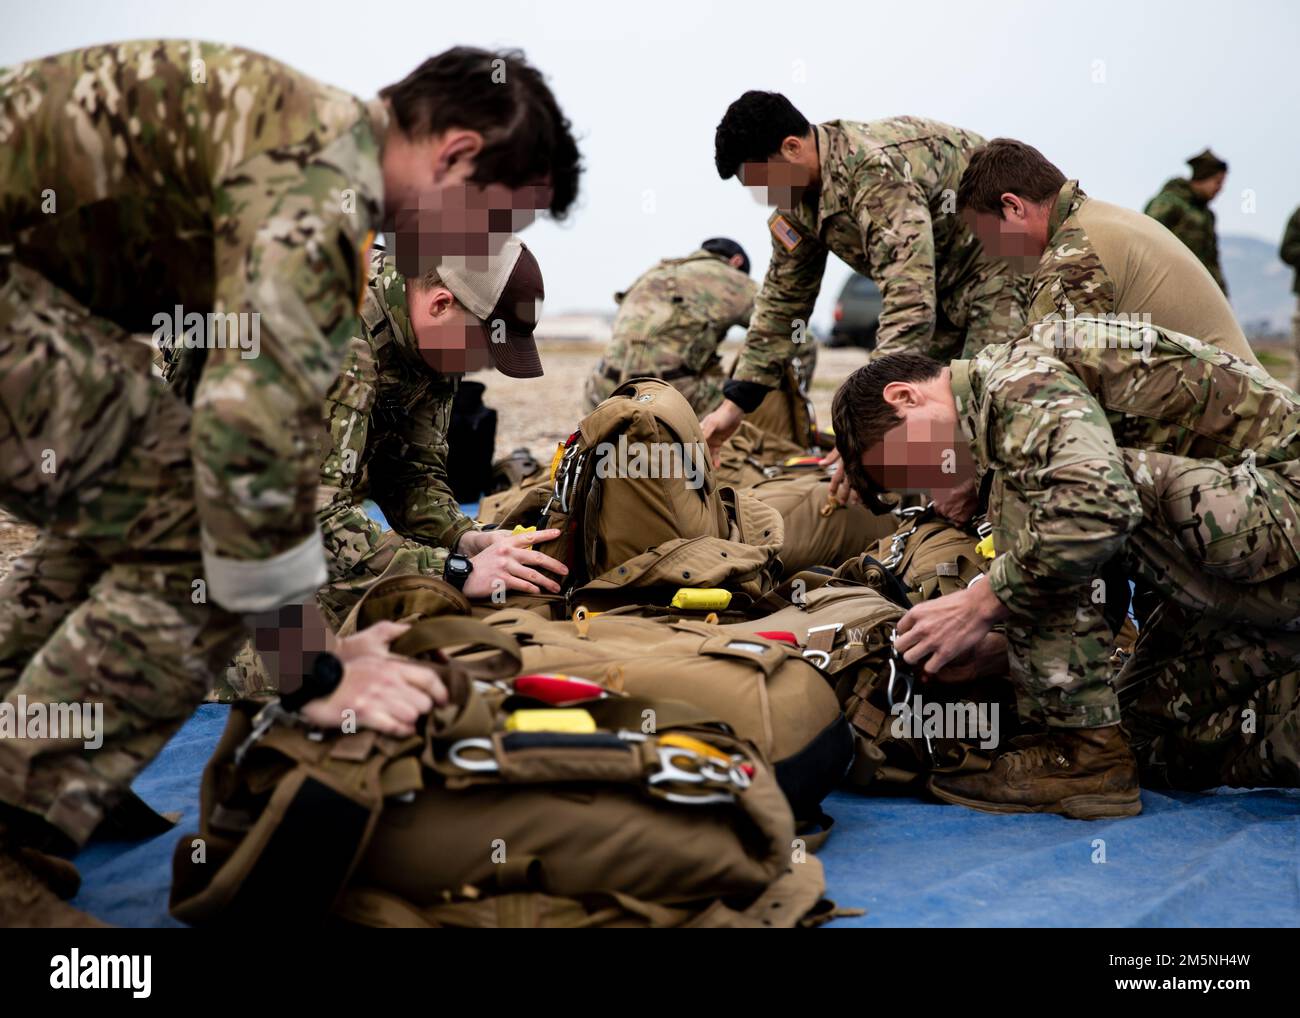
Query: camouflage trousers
[[108, 609], [1210, 692], [1215, 544], [702, 391], [358, 551]]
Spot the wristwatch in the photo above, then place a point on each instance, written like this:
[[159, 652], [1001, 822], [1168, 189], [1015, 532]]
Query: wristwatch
[[456, 570], [320, 680]]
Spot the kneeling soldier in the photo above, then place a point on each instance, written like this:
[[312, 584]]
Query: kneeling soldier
[[1095, 444]]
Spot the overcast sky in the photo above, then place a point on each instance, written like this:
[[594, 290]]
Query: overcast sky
[[1116, 93]]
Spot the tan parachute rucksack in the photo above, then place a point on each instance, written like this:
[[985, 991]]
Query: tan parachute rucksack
[[764, 689], [630, 534], [504, 810]]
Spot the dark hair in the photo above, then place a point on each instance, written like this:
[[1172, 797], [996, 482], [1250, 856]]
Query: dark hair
[[728, 248], [753, 128], [861, 416], [526, 137], [1006, 165]]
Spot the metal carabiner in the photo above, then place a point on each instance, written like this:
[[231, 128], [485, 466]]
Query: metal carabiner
[[454, 755], [898, 672], [821, 658]]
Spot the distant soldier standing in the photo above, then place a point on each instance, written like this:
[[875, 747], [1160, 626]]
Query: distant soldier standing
[[1183, 205], [1093, 258], [136, 178], [671, 321], [883, 197], [1290, 253]]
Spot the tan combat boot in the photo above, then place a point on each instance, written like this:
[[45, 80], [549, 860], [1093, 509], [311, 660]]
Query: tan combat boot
[[1084, 773], [32, 886]]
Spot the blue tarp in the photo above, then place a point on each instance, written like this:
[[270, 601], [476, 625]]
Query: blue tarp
[[1227, 858]]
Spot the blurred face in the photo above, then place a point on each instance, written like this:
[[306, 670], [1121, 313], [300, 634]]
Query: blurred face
[[433, 209], [926, 453], [1016, 233], [786, 177], [450, 338], [1210, 186]]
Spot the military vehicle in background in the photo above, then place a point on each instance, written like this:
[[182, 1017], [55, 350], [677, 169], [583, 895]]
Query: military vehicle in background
[[857, 313]]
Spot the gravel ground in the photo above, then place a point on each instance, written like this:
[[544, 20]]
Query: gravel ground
[[538, 413]]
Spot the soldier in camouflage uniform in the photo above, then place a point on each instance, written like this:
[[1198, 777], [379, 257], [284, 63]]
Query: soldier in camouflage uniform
[[1092, 258], [882, 197], [137, 179], [1183, 205], [1290, 254], [671, 321], [387, 416], [1095, 440]]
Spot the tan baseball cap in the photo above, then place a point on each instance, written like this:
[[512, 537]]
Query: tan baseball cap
[[504, 292]]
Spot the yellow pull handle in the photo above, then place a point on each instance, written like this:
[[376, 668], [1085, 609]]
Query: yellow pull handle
[[702, 598], [565, 719]]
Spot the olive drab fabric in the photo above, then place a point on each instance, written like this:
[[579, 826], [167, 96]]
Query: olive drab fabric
[[818, 530], [763, 689], [752, 454], [683, 825]]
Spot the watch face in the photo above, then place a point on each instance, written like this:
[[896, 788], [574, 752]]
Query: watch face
[[458, 564]]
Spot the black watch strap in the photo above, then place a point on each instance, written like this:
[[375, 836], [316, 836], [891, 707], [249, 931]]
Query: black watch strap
[[456, 570], [321, 679]]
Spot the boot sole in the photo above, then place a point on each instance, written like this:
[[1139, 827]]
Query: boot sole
[[1076, 807]]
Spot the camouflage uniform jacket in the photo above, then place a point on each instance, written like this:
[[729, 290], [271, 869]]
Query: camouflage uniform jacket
[[150, 177], [887, 208], [676, 314], [1191, 220], [1048, 416], [1101, 260], [387, 416]]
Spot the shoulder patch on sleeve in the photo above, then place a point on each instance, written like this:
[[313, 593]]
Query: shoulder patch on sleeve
[[785, 233], [364, 262]]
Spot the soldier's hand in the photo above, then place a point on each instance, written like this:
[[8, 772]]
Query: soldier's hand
[[935, 633], [719, 425], [988, 658], [508, 562], [841, 490], [385, 691]]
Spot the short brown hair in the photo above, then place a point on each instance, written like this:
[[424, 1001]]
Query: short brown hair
[[1006, 165], [861, 416], [526, 137]]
